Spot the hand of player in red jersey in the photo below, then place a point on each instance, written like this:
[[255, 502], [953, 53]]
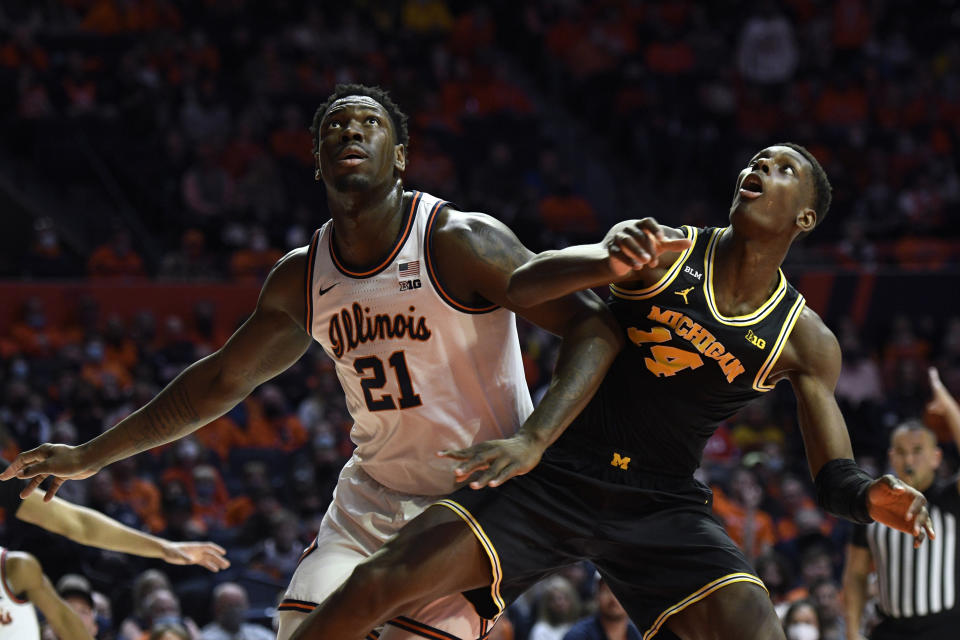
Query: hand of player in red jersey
[[896, 504], [59, 460], [495, 461], [634, 244]]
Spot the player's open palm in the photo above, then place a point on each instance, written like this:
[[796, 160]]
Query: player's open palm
[[492, 463], [894, 503], [59, 460]]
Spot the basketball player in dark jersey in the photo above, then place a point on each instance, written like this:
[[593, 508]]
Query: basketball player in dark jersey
[[708, 329]]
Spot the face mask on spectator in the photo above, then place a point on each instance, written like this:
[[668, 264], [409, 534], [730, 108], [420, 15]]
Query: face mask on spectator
[[161, 620], [802, 631]]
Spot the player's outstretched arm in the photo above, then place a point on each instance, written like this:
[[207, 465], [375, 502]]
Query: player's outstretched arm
[[269, 341], [811, 361], [476, 255], [94, 529], [628, 250], [24, 575]]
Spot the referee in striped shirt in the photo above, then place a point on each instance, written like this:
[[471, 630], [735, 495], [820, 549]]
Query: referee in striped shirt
[[918, 587]]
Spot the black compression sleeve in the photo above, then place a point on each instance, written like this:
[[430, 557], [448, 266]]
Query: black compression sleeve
[[842, 490]]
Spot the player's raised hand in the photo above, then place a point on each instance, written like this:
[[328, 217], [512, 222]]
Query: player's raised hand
[[59, 460], [494, 462], [941, 402], [634, 244], [896, 504], [206, 554]]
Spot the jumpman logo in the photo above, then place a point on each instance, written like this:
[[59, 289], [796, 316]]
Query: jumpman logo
[[684, 294]]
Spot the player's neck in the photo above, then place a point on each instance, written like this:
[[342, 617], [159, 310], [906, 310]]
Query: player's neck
[[745, 272], [366, 224]]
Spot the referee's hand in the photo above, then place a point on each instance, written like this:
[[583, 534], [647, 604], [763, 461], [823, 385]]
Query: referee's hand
[[896, 504]]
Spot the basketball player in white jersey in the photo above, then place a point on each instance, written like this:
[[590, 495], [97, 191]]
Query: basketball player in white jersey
[[25, 586], [406, 295]]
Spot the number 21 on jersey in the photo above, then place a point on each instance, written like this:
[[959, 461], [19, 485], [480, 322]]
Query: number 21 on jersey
[[378, 379]]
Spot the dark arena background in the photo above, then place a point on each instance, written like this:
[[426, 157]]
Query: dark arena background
[[156, 162]]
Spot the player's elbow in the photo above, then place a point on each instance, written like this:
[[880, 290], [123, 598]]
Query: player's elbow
[[224, 382], [522, 290]]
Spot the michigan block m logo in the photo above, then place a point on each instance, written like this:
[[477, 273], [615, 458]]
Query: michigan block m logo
[[620, 461]]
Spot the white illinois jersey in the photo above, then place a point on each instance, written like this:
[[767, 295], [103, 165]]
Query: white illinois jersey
[[421, 371], [18, 619]]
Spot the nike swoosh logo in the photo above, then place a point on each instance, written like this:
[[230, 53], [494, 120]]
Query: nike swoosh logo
[[322, 291]]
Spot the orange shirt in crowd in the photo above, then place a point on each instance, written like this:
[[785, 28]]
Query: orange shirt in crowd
[[144, 498], [735, 520], [222, 436], [107, 263]]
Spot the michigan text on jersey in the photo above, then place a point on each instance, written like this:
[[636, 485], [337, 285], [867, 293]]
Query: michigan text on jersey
[[701, 339]]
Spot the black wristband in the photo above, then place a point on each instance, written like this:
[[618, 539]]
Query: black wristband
[[842, 490]]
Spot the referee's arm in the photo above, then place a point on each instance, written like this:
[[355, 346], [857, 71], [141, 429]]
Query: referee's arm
[[855, 573]]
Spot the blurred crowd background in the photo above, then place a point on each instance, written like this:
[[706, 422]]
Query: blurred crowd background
[[158, 149]]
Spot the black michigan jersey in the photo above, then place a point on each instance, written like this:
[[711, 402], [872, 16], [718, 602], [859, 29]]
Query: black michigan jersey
[[685, 368]]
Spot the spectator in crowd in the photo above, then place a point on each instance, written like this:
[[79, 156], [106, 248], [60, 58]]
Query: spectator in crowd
[[229, 609], [749, 526], [47, 257], [826, 594], [116, 258], [162, 606], [191, 261], [610, 622], [767, 52], [133, 627], [559, 607], [801, 621]]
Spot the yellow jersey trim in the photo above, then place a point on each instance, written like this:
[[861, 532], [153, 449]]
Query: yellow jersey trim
[[699, 595], [668, 277], [737, 321], [760, 382], [487, 545]]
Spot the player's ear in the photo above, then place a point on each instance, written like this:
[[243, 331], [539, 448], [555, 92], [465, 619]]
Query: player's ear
[[400, 157], [316, 166], [806, 219]]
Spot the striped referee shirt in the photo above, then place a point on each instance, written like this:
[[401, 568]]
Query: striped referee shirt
[[914, 583]]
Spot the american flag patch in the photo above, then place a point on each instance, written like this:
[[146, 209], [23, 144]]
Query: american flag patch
[[409, 269]]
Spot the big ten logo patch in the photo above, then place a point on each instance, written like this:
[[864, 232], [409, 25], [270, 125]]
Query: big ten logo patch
[[410, 285], [755, 340]]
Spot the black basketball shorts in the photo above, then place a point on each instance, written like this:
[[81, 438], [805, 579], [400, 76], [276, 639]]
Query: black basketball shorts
[[654, 540]]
